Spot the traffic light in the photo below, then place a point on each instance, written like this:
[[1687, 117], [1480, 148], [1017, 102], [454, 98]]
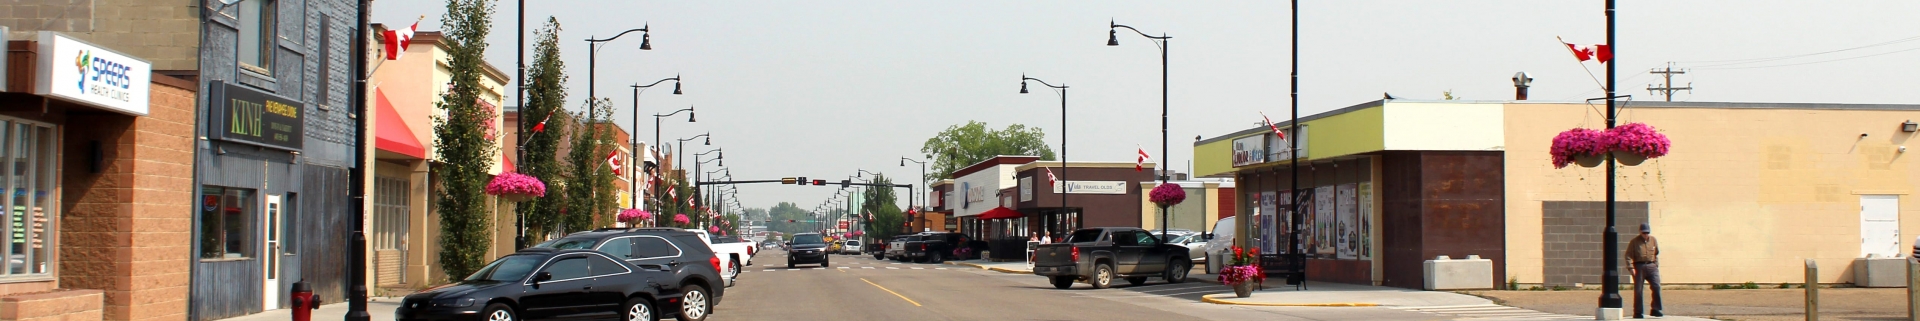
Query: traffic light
[[819, 182], [789, 221], [845, 183], [803, 181], [788, 180]]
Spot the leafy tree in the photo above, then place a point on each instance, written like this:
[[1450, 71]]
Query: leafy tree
[[464, 149], [546, 96], [887, 219], [781, 213], [962, 145], [586, 196]]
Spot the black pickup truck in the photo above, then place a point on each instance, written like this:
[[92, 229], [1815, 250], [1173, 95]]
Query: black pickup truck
[[1098, 255], [934, 247], [897, 247]]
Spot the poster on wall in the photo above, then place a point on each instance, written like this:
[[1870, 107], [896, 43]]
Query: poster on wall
[[1269, 219], [1366, 220], [1346, 236], [1323, 220]]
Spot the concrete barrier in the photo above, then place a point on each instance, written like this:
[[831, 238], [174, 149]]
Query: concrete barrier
[[1878, 272], [1445, 273]]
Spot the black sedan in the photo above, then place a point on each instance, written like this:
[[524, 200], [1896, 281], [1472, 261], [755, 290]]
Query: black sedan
[[545, 284], [807, 248]]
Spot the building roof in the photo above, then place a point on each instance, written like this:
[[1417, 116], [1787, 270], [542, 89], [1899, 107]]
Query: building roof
[[991, 162]]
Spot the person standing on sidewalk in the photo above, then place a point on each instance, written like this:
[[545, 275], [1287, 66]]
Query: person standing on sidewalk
[[1643, 253]]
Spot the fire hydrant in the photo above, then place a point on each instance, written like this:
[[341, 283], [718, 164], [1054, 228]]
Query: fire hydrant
[[302, 302]]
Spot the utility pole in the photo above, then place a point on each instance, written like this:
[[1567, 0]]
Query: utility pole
[[1669, 89]]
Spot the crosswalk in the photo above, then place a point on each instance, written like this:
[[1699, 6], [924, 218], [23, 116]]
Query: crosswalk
[[1491, 312]]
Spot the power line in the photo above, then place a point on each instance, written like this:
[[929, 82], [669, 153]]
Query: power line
[[1808, 63], [1669, 88], [1759, 60]]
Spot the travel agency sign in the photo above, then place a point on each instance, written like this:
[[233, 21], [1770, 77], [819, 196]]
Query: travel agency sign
[[84, 73]]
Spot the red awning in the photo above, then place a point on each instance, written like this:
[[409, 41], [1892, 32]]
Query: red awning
[[1000, 213], [391, 133], [506, 163]]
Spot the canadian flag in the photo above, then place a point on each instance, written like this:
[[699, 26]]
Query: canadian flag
[[398, 39], [542, 126], [1050, 178], [1276, 129], [1141, 163], [613, 161], [1595, 52]]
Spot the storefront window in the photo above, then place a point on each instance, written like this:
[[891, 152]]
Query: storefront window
[[29, 157], [225, 217]]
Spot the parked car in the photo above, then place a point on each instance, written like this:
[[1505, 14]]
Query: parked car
[[833, 247], [850, 247], [696, 271], [1098, 255], [934, 247], [808, 248], [734, 255], [897, 248], [879, 248], [1196, 245], [547, 284], [1221, 243]]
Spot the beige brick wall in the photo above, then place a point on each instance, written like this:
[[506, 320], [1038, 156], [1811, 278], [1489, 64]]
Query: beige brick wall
[[164, 32], [1744, 195], [52, 306], [127, 229]]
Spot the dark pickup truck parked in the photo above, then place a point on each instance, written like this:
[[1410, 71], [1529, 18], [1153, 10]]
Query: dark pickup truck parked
[[1098, 255], [897, 248], [934, 247]]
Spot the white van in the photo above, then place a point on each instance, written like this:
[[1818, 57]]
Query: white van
[[1221, 243]]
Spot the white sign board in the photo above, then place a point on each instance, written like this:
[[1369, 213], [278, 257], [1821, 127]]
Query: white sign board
[[81, 72], [1026, 189], [1091, 187], [1249, 150]]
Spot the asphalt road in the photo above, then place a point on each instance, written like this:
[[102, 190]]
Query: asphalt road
[[861, 288]]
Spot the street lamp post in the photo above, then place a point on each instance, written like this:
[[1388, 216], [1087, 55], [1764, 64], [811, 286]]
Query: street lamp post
[[923, 178], [1161, 41], [593, 54], [681, 145], [1063, 134], [656, 123], [1610, 285], [637, 88], [696, 176]]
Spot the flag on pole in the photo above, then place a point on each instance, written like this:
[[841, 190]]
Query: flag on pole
[[1050, 178], [398, 39], [1276, 129], [1595, 52], [542, 126], [613, 161], [1140, 163]]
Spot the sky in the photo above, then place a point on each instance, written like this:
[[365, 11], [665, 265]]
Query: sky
[[826, 88]]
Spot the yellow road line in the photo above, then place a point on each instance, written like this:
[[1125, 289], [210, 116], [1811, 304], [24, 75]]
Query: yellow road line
[[882, 288]]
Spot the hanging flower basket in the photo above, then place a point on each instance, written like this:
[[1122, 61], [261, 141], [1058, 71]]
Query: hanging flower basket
[[634, 216], [1586, 146], [1167, 194], [1634, 143], [516, 187], [680, 219]]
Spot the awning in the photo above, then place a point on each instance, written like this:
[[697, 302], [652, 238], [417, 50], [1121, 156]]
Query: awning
[[391, 133], [1000, 213], [506, 163]]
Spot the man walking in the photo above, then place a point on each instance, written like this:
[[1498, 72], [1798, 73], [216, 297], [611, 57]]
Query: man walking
[[1643, 253]]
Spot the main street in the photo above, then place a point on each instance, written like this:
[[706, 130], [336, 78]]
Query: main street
[[861, 288]]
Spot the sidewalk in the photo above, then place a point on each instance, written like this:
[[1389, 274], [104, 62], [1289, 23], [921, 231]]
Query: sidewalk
[[380, 308], [1318, 294]]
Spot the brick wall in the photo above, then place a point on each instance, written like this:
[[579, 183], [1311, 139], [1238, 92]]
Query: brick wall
[[162, 32], [1571, 232], [52, 306], [126, 230]]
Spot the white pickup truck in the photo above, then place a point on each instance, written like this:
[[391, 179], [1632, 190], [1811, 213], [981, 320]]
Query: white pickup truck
[[732, 254]]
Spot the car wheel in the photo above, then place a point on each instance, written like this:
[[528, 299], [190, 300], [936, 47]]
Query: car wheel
[[1102, 276], [499, 312], [878, 256], [638, 309], [693, 304], [1062, 282], [736, 270], [1138, 280], [789, 263], [823, 262], [1177, 270], [938, 257]]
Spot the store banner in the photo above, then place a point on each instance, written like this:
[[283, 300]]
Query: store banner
[[1271, 219], [1366, 220], [1090, 187], [1250, 150], [81, 72], [1324, 221], [1026, 189], [243, 114], [1346, 234]]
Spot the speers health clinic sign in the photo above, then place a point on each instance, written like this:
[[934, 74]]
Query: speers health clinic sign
[[81, 72]]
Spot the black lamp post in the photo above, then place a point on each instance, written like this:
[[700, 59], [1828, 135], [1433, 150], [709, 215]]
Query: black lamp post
[[656, 123], [1610, 286], [637, 88], [696, 176], [923, 178], [1062, 90], [593, 53], [681, 145], [1113, 39]]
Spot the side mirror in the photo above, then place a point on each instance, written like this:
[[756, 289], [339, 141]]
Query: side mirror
[[542, 277]]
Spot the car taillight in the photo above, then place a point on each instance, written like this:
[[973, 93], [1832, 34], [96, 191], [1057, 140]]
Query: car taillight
[[1076, 254], [716, 263], [923, 246]]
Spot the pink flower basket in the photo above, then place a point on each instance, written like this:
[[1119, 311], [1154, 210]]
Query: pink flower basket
[[1167, 195], [1638, 139], [680, 219], [1575, 143], [516, 187], [634, 215]]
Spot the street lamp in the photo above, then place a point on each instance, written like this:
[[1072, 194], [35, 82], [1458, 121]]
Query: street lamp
[[1062, 90], [923, 178], [681, 145], [1113, 39], [696, 172], [593, 54], [637, 88], [657, 117]]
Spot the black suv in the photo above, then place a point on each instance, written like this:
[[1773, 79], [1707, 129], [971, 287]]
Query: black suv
[[696, 271], [543, 284], [807, 248]]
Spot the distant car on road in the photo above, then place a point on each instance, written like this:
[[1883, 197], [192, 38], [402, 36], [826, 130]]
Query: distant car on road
[[850, 247], [807, 248], [543, 284]]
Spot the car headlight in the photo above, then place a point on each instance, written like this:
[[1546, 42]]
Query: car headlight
[[453, 303]]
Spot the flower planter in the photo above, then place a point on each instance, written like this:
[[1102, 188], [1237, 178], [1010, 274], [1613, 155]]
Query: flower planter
[[1628, 158], [1586, 160], [1243, 289], [517, 197]]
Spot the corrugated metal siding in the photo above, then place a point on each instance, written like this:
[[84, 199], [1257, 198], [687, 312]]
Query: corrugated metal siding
[[325, 228], [223, 292]]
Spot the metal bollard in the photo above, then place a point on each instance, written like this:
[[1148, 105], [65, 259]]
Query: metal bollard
[[1813, 291]]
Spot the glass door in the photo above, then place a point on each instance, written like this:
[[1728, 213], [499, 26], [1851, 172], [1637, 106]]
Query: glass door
[[270, 258]]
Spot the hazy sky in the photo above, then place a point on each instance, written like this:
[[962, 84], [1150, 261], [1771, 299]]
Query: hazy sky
[[824, 88]]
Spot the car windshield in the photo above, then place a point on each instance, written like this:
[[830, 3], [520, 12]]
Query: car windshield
[[808, 239], [1084, 236], [569, 244], [507, 269], [853, 243]]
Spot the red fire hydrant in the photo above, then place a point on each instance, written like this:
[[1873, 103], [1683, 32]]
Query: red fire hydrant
[[302, 302]]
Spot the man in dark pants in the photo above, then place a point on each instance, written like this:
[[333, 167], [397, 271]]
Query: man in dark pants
[[1643, 253]]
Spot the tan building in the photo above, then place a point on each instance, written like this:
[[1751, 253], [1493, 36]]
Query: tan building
[[403, 230], [1748, 191]]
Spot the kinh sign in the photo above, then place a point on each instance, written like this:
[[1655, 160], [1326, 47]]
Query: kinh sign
[[254, 117]]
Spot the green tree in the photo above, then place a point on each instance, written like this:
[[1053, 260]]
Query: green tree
[[962, 145], [546, 98], [586, 197], [462, 141], [887, 219], [781, 213]]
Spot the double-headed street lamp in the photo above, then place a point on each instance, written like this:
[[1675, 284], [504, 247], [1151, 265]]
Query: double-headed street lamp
[[1113, 39], [1062, 90], [637, 88]]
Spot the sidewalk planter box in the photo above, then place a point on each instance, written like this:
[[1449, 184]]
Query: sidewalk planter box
[[1445, 273], [1880, 272]]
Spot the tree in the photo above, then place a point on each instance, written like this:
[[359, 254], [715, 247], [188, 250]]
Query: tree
[[546, 97], [886, 219], [461, 140], [586, 196], [785, 211], [962, 145]]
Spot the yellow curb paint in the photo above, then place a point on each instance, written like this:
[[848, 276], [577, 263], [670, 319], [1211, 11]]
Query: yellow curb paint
[[882, 288], [1210, 299]]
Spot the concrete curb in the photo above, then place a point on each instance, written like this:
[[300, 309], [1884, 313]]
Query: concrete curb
[[1210, 299], [995, 269]]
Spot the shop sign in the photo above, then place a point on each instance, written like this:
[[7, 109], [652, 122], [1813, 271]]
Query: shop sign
[[84, 73], [1091, 187], [1026, 189], [1249, 150], [1282, 150], [245, 115]]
